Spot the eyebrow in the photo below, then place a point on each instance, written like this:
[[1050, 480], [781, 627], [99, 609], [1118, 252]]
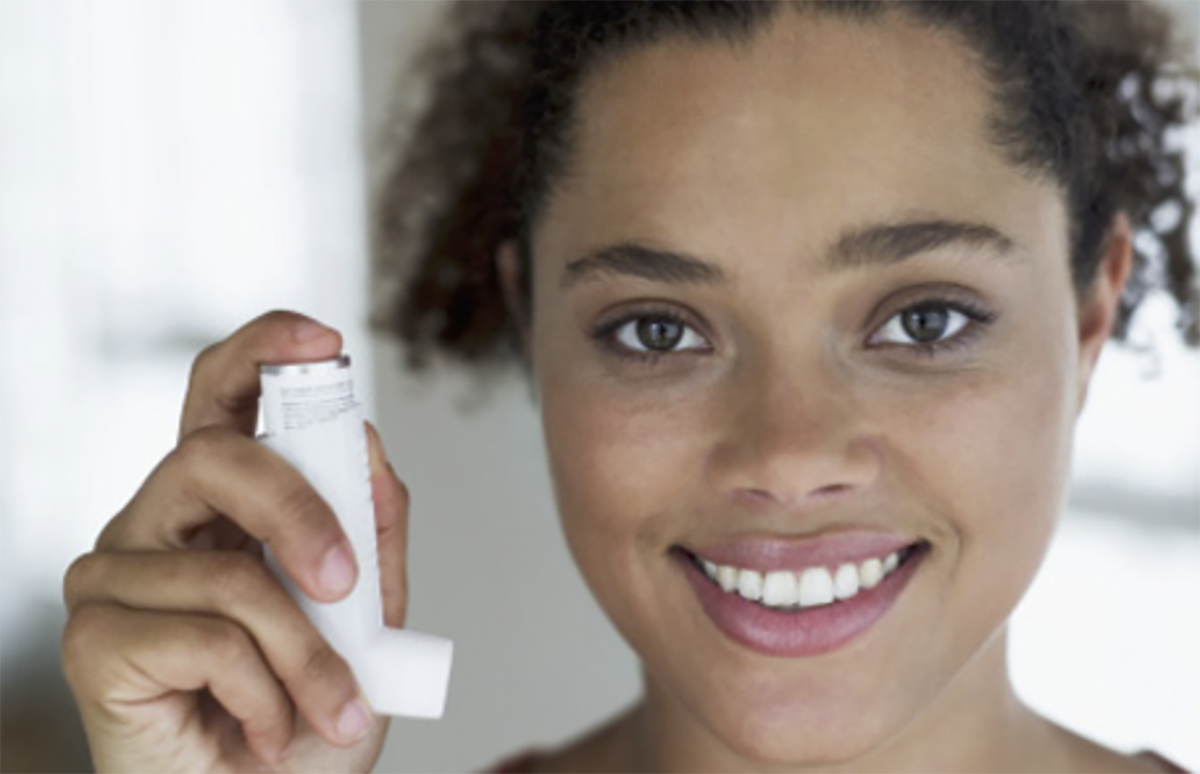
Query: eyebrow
[[856, 248], [636, 260], [888, 243]]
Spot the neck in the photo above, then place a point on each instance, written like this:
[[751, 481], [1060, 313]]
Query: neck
[[976, 723]]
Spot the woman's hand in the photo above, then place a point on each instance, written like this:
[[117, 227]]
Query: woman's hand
[[183, 650]]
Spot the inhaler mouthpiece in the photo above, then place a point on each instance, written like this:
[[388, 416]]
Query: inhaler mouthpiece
[[311, 419]]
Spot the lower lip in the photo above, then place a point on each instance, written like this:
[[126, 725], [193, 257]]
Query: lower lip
[[805, 632]]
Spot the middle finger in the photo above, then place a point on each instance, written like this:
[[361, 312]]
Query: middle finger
[[216, 472]]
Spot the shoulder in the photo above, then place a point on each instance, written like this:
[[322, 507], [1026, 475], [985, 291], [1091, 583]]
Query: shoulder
[[1159, 762], [519, 765]]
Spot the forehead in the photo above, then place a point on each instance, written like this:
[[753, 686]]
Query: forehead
[[813, 121]]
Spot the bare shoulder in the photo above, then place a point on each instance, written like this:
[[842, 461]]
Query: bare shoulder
[[1084, 755], [1160, 763]]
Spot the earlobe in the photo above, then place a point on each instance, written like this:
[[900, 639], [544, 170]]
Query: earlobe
[[508, 267], [1098, 309]]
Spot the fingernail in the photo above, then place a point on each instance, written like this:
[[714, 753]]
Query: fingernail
[[354, 721], [337, 570], [307, 330]]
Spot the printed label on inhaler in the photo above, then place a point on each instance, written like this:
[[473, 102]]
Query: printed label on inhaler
[[311, 419]]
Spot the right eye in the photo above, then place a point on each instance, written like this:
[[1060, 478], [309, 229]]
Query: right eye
[[657, 333]]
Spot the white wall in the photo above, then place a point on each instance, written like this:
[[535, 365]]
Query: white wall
[[168, 170], [535, 660]]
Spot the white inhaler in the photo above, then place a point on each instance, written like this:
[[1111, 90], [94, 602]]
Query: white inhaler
[[311, 419]]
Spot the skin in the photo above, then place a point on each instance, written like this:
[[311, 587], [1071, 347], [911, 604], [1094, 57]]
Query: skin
[[183, 652], [795, 418], [788, 416]]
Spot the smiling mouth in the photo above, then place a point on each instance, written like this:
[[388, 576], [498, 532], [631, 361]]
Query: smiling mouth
[[808, 587]]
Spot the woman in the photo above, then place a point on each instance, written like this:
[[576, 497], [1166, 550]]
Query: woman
[[810, 294]]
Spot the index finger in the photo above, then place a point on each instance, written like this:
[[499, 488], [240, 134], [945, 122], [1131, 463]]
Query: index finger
[[224, 385]]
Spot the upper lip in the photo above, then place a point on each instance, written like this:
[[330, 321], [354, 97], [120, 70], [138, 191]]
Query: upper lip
[[769, 554]]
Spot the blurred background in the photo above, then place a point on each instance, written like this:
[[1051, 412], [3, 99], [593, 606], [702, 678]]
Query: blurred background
[[171, 170]]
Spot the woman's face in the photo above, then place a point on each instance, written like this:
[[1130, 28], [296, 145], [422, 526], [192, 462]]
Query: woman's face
[[792, 311]]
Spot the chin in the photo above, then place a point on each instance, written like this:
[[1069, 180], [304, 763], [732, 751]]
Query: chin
[[812, 732], [792, 745]]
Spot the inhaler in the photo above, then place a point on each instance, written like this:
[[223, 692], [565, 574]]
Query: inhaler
[[311, 419]]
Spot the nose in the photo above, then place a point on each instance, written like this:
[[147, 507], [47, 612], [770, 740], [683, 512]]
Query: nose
[[792, 437]]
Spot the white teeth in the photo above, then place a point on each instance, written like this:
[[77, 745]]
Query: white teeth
[[870, 573], [845, 581], [750, 584], [816, 587], [780, 589], [809, 587]]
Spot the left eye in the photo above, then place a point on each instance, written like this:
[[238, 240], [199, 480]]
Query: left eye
[[923, 324], [658, 334]]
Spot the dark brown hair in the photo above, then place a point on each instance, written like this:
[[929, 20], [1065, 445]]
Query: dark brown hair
[[1091, 95]]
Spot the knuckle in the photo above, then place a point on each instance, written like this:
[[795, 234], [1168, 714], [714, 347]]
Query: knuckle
[[320, 662], [225, 642], [237, 578], [82, 575], [85, 624], [201, 447], [299, 504], [272, 715], [277, 317], [82, 640], [202, 362]]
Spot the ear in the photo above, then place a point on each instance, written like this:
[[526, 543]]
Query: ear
[[1098, 309], [508, 267]]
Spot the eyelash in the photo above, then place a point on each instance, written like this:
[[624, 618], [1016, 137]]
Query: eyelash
[[977, 319], [605, 334]]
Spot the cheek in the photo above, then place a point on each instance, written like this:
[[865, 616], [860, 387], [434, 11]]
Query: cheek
[[615, 463], [988, 461], [624, 465]]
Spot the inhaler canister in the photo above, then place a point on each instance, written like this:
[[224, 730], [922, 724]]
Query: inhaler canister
[[312, 420]]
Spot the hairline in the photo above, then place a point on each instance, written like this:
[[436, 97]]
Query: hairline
[[997, 127]]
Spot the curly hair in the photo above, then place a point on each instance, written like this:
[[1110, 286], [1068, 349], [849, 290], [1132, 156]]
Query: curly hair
[[1092, 96]]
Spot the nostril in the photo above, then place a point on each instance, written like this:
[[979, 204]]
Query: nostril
[[796, 478], [760, 494], [766, 497], [831, 489]]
